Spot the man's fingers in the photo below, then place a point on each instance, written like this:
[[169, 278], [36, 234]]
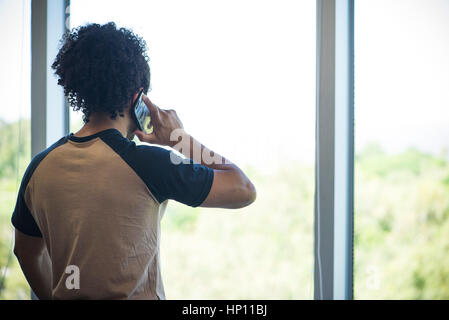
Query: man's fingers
[[154, 109], [150, 138], [139, 134]]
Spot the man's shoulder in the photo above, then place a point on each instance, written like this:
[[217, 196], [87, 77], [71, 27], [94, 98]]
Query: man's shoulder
[[37, 159], [129, 149]]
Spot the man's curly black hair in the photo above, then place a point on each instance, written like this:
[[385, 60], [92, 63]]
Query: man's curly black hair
[[101, 67]]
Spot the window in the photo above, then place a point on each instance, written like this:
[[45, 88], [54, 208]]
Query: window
[[15, 134], [402, 140], [241, 75]]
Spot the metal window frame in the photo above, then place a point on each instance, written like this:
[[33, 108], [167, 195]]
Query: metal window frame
[[49, 110], [333, 278]]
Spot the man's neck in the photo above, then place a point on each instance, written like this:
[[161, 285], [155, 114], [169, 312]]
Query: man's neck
[[98, 123]]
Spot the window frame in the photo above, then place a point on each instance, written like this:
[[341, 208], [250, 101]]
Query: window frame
[[49, 110], [334, 169]]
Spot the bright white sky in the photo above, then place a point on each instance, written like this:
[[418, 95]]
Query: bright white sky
[[402, 73], [241, 74], [15, 64]]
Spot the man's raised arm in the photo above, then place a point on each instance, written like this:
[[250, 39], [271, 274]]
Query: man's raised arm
[[231, 188]]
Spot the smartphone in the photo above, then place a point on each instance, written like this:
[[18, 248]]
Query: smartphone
[[142, 114]]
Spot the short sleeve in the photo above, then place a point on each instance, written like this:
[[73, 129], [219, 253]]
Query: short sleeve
[[22, 219], [169, 176]]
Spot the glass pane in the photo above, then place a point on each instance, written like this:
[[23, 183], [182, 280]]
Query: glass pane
[[15, 134], [402, 140], [241, 75]]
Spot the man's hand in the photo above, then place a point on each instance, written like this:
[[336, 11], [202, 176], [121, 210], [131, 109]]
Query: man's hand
[[164, 122]]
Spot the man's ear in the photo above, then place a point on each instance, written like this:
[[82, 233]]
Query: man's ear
[[135, 95], [133, 99]]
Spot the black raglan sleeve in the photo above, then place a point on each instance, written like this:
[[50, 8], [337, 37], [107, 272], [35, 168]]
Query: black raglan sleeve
[[169, 176], [22, 219]]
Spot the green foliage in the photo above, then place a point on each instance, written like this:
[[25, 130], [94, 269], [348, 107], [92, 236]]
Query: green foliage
[[373, 160], [250, 253], [401, 226], [15, 142], [15, 146], [181, 219]]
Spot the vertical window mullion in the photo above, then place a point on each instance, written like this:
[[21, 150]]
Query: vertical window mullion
[[334, 150], [49, 112]]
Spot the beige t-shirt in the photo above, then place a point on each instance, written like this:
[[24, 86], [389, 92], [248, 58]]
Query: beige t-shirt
[[98, 202]]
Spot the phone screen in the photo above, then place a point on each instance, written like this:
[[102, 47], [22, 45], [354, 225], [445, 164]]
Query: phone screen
[[142, 114]]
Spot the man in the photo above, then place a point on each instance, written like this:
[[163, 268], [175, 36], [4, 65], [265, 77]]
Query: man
[[89, 207]]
